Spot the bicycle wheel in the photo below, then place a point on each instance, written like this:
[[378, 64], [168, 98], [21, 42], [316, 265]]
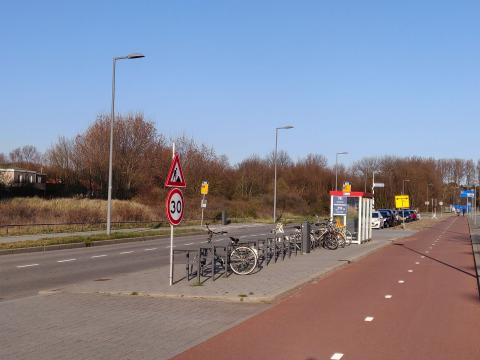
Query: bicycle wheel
[[341, 239], [348, 237], [330, 241], [243, 260]]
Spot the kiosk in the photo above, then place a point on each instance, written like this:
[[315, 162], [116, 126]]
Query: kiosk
[[353, 210]]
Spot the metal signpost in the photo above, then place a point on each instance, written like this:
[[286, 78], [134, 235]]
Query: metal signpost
[[402, 202], [175, 203], [203, 203]]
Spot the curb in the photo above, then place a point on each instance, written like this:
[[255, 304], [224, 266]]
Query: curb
[[475, 241]]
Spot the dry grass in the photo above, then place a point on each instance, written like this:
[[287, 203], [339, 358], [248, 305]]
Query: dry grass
[[59, 211], [36, 210]]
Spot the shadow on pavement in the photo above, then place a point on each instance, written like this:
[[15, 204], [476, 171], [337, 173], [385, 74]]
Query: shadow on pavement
[[439, 261]]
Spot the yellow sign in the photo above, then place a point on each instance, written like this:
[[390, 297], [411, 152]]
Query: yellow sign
[[204, 188], [347, 187], [402, 201]]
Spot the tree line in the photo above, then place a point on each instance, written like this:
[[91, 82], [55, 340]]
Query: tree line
[[78, 166]]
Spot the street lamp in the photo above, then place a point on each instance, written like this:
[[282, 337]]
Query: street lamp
[[286, 127], [112, 119], [336, 167], [426, 203], [403, 186]]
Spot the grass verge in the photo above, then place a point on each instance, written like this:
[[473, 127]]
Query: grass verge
[[90, 239]]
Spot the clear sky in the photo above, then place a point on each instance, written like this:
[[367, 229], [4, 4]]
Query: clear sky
[[368, 77]]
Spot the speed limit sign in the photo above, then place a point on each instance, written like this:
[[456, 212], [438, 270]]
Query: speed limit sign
[[174, 206]]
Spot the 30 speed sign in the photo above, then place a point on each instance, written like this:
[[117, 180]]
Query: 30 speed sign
[[174, 206]]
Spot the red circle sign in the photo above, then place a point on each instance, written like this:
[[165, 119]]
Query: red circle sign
[[174, 206]]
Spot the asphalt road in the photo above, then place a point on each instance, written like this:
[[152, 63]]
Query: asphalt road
[[24, 275]]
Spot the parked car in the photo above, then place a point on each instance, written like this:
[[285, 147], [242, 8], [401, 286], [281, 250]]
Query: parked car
[[378, 221], [389, 217], [417, 213], [412, 214], [404, 215]]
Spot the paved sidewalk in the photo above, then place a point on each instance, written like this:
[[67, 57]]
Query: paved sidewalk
[[264, 286], [96, 327]]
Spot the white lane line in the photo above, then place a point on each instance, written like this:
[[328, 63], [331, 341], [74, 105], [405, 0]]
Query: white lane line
[[426, 252], [203, 242], [410, 270], [417, 263], [401, 281], [66, 260], [388, 296], [25, 266], [368, 319], [150, 249], [336, 356], [97, 256], [168, 247], [126, 252], [189, 244], [423, 257]]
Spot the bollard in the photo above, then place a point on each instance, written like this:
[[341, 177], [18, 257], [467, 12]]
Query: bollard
[[306, 237], [224, 217]]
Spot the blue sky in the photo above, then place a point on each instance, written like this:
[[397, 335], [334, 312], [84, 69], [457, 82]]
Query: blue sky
[[369, 77]]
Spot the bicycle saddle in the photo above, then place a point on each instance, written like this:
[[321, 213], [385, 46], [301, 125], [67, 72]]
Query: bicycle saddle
[[234, 240]]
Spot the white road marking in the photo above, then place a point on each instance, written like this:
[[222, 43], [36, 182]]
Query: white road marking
[[24, 266], [388, 296], [368, 319], [336, 356], [410, 270], [168, 247], [126, 252], [426, 252], [417, 263], [150, 249], [97, 256], [401, 281], [66, 260], [423, 257], [189, 244]]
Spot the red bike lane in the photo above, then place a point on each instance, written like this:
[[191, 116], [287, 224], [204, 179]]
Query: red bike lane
[[416, 299]]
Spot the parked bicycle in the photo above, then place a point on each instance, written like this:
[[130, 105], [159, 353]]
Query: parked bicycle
[[242, 259]]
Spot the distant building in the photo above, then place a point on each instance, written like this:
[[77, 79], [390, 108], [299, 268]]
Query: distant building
[[22, 179]]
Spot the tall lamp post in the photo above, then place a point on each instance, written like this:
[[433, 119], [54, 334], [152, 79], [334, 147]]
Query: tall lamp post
[[403, 210], [112, 119], [286, 127], [426, 203], [403, 186], [336, 167]]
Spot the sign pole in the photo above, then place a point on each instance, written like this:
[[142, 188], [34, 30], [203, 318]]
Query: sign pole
[[203, 199], [171, 235]]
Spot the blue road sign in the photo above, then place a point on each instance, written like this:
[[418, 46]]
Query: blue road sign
[[467, 194], [340, 205]]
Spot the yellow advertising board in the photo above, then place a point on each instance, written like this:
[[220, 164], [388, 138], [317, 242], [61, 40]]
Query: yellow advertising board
[[402, 201], [347, 187], [204, 188]]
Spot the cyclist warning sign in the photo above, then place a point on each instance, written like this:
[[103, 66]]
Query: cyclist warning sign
[[175, 176]]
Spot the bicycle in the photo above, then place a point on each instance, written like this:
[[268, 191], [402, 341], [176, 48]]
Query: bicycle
[[242, 260], [328, 236]]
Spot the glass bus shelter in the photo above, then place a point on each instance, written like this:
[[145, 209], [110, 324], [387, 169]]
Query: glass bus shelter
[[353, 210]]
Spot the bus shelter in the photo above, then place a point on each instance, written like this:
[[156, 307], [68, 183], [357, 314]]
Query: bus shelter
[[354, 211]]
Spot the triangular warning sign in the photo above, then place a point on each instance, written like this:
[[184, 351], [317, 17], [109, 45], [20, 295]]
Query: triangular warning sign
[[175, 176]]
